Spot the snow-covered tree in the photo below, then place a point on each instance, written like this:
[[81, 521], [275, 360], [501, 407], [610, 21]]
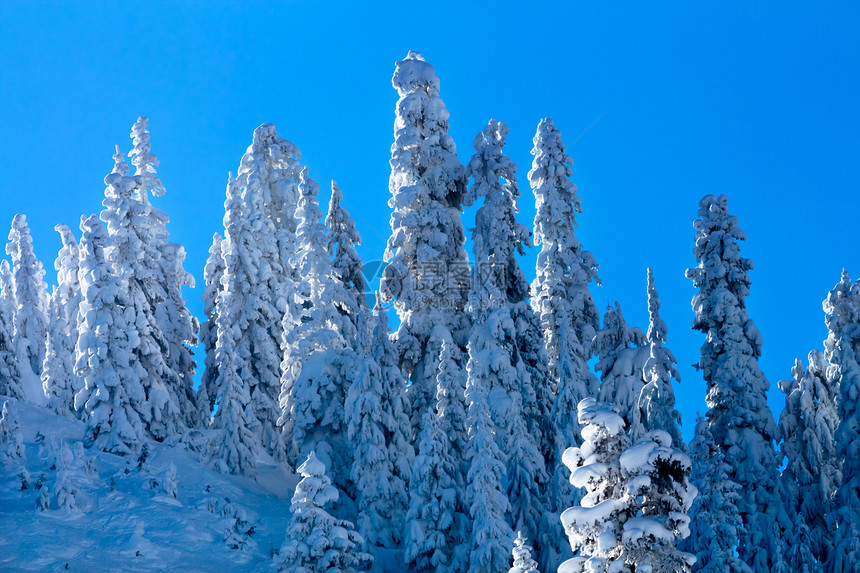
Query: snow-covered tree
[[523, 561], [566, 310], [237, 322], [64, 489], [379, 430], [31, 297], [812, 473], [635, 509], [58, 378], [716, 524], [490, 535], [622, 351], [11, 440], [427, 275], [656, 406], [435, 532], [501, 321], [178, 328], [113, 392], [316, 542], [207, 392], [318, 341], [169, 484], [10, 375], [738, 415], [342, 240], [842, 349]]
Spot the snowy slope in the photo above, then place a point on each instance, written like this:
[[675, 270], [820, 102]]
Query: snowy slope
[[133, 525]]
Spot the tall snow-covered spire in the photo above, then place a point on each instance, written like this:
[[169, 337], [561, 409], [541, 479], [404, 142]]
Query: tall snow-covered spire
[[427, 275], [738, 415], [144, 161], [10, 375], [342, 240]]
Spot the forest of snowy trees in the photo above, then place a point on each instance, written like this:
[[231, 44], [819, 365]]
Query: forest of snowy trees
[[499, 426]]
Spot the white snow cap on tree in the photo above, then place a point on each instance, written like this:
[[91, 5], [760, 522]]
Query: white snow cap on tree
[[738, 415], [58, 378], [427, 275], [11, 440], [31, 297], [64, 489], [10, 375], [523, 562], [342, 240], [842, 348], [315, 540], [113, 393]]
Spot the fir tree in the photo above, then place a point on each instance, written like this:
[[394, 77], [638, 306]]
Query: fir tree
[[64, 489], [10, 375], [207, 392], [317, 542], [427, 275], [11, 440], [656, 407], [812, 474], [58, 378], [113, 392], [523, 562], [842, 349], [377, 414], [31, 297], [318, 337], [342, 240], [741, 423], [716, 524]]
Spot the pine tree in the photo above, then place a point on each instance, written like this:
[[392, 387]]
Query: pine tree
[[716, 524], [207, 392], [377, 414], [435, 530], [738, 415], [113, 392], [500, 316], [237, 415], [523, 562], [31, 297], [58, 378], [812, 474], [10, 375], [342, 240], [567, 313], [317, 542], [842, 349], [11, 440], [622, 352], [427, 275], [64, 489], [656, 407], [178, 328], [318, 338]]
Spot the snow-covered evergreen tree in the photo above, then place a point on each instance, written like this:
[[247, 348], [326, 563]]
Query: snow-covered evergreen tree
[[64, 489], [58, 378], [31, 297], [113, 392], [490, 535], [564, 305], [812, 473], [169, 484], [342, 240], [207, 392], [427, 275], [435, 531], [738, 415], [716, 524], [523, 561], [10, 375], [11, 440], [622, 351], [318, 341], [377, 415], [316, 542], [178, 328], [656, 407], [237, 329], [842, 349]]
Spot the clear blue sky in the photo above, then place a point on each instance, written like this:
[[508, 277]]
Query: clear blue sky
[[658, 105]]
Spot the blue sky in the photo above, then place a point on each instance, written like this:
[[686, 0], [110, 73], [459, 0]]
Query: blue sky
[[659, 105]]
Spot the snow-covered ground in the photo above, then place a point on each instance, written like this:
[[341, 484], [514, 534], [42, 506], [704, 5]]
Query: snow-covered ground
[[124, 520]]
